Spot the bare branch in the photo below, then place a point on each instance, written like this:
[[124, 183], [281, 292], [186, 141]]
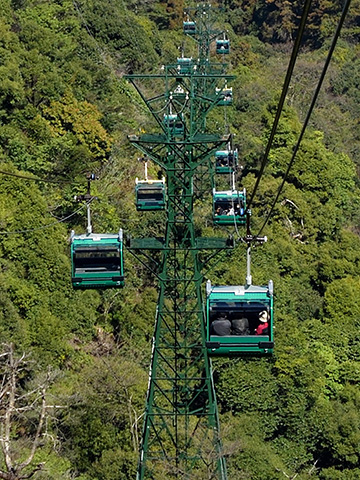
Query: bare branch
[[35, 443], [14, 405]]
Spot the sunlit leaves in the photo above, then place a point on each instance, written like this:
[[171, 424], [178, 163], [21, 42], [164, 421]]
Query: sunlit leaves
[[81, 119]]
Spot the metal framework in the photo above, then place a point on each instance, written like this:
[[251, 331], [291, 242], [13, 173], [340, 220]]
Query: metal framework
[[181, 426]]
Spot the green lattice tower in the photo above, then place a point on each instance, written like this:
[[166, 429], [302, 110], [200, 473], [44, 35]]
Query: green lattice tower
[[181, 426]]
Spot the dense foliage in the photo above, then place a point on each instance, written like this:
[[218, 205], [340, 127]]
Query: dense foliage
[[65, 110]]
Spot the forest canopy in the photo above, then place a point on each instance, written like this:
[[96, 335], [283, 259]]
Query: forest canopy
[[65, 112]]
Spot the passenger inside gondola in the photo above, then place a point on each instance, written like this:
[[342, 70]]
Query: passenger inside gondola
[[222, 46], [225, 159], [226, 207], [224, 96], [240, 326], [221, 325], [239, 322], [222, 207], [263, 327]]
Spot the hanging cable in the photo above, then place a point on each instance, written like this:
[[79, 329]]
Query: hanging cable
[[46, 226], [311, 108], [282, 98], [35, 179]]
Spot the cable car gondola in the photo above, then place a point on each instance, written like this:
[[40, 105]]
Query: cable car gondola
[[226, 161], [229, 207], [239, 320], [189, 28], [174, 125], [224, 96], [150, 194], [222, 46], [97, 260], [185, 65]]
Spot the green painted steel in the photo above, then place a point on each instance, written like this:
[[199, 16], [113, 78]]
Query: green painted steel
[[237, 302], [181, 437], [97, 261]]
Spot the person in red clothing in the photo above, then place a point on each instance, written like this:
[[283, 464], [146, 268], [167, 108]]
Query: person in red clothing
[[263, 327]]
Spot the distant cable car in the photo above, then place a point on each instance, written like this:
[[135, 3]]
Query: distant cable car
[[226, 161], [189, 28], [174, 125], [185, 65], [97, 260], [222, 46], [224, 96], [150, 194], [239, 320], [229, 207]]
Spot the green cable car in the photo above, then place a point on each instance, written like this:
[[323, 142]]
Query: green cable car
[[185, 65], [224, 96], [222, 46], [229, 207], [150, 194], [97, 260], [226, 161], [174, 125], [189, 28], [239, 320]]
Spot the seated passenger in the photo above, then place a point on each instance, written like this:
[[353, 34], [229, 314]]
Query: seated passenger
[[263, 327], [231, 211], [240, 326], [219, 211], [221, 326], [239, 210]]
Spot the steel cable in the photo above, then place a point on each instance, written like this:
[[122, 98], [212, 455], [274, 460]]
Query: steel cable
[[311, 108], [282, 98]]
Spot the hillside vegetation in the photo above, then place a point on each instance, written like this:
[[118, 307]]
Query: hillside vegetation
[[65, 111]]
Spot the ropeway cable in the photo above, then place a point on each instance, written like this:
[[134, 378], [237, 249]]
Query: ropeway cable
[[47, 226], [282, 98], [36, 179], [311, 108]]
